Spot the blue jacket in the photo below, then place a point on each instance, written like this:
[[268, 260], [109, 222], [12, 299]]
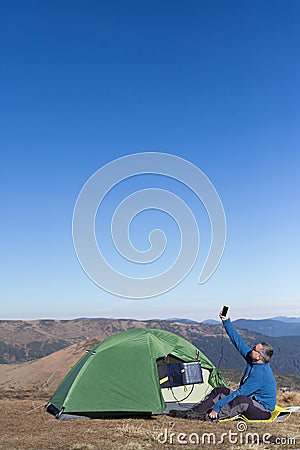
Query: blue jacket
[[258, 380]]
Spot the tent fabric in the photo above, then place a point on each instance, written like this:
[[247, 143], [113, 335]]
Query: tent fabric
[[120, 374]]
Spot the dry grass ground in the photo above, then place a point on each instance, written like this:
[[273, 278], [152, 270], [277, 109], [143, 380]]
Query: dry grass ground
[[25, 388], [25, 426]]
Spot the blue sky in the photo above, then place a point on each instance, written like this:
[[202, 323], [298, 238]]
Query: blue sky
[[216, 83]]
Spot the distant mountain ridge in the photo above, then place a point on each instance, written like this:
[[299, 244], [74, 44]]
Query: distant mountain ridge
[[211, 321], [270, 327], [276, 326], [178, 319], [22, 341], [286, 319]]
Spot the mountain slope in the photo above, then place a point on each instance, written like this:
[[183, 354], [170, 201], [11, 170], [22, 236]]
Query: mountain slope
[[28, 340], [45, 374]]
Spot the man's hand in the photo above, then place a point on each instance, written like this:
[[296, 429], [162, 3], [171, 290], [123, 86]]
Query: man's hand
[[213, 414], [223, 317]]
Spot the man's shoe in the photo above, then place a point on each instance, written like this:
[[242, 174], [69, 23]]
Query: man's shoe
[[193, 415], [187, 414], [182, 414]]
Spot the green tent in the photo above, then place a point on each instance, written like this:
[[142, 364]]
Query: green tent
[[120, 376]]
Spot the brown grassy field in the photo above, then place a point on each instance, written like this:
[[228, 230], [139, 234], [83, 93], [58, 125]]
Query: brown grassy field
[[25, 426], [42, 373]]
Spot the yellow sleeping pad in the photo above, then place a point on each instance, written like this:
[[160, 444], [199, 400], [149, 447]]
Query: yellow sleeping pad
[[278, 415]]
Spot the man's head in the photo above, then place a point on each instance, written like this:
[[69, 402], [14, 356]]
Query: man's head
[[262, 352]]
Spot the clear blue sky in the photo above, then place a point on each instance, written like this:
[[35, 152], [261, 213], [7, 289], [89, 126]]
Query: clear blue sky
[[214, 82]]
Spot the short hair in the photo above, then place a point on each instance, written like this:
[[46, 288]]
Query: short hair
[[266, 351]]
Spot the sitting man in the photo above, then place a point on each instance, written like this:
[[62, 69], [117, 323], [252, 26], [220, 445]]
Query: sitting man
[[256, 396]]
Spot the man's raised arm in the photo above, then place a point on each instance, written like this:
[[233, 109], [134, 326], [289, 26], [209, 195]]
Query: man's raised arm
[[235, 337]]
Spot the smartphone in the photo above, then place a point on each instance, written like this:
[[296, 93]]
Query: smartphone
[[224, 310]]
